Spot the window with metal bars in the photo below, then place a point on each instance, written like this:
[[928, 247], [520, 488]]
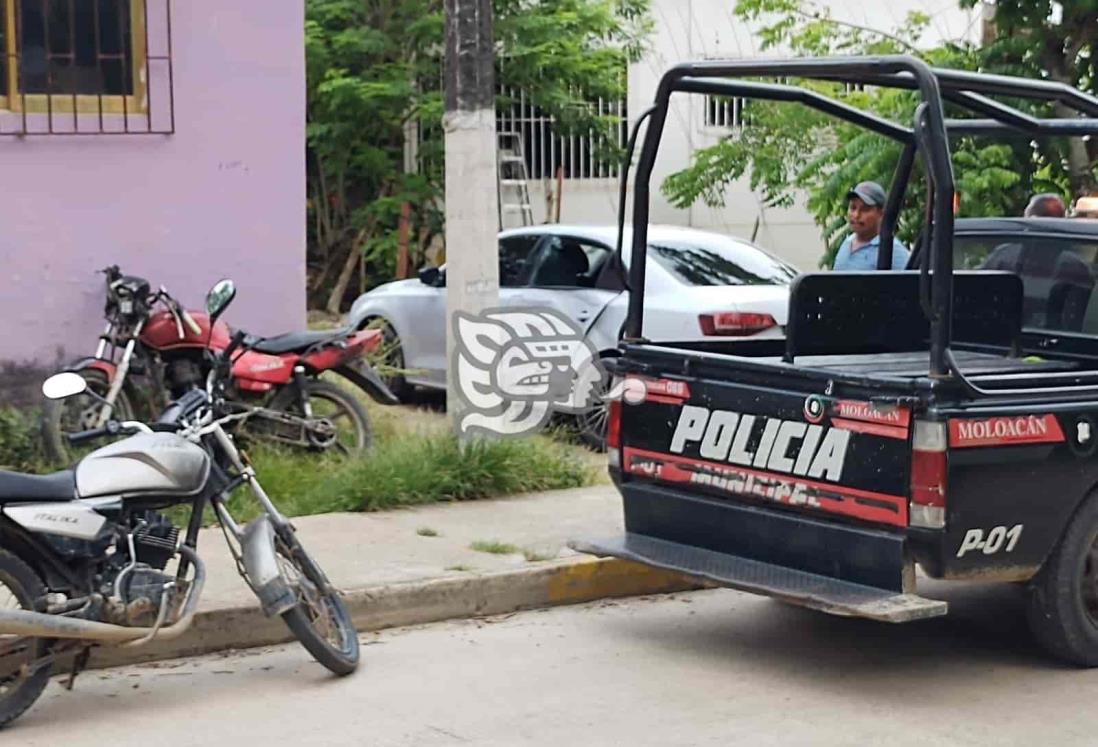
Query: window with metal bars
[[546, 150], [734, 112], [74, 65], [726, 112]]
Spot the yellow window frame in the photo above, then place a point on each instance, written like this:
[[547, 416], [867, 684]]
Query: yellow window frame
[[60, 103]]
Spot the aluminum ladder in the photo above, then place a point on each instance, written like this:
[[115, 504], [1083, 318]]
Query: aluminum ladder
[[512, 184]]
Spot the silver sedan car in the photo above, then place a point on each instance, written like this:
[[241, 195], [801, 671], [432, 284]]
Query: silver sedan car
[[699, 285]]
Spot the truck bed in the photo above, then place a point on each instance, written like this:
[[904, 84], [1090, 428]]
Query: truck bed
[[916, 364]]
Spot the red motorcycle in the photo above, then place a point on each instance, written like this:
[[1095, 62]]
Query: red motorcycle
[[153, 351]]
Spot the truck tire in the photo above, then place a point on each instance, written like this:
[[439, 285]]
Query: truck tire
[[1063, 603]]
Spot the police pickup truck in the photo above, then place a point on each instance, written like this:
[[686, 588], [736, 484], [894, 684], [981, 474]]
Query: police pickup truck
[[945, 416]]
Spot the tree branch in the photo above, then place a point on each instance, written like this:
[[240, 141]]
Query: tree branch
[[856, 27], [354, 256]]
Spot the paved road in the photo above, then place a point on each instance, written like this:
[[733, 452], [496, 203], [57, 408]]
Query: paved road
[[708, 668]]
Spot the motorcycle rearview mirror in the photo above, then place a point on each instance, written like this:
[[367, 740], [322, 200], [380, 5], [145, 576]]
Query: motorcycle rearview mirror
[[219, 298], [62, 385]]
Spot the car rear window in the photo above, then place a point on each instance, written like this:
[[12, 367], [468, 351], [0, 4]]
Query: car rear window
[[719, 261], [1058, 275]]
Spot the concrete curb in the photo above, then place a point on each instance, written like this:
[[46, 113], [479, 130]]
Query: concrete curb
[[571, 581]]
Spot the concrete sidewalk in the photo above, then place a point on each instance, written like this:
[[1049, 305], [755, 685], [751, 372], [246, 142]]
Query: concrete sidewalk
[[393, 573]]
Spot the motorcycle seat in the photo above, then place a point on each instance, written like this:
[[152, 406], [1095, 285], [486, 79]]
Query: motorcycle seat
[[16, 487], [295, 342]]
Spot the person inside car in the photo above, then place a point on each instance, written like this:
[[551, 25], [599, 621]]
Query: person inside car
[[1046, 205]]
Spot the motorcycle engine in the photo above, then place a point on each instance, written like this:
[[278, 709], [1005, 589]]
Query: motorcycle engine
[[184, 374], [142, 591], [143, 584]]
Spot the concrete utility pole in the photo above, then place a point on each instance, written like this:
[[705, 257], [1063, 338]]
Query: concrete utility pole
[[472, 213]]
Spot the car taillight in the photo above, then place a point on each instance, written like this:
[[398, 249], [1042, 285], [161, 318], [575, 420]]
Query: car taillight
[[928, 475], [735, 323], [613, 432]]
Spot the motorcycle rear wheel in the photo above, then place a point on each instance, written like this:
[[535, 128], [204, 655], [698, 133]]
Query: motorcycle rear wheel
[[351, 431], [320, 620], [75, 414], [20, 683]]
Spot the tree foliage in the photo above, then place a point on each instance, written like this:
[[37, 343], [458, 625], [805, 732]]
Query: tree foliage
[[1054, 40], [374, 76], [787, 149]]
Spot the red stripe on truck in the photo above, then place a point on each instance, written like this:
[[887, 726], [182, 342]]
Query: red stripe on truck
[[880, 508], [869, 412], [872, 429]]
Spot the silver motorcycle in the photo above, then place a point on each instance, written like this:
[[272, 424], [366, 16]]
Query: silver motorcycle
[[88, 559]]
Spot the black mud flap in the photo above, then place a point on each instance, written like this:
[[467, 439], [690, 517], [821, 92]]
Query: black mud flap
[[363, 375], [829, 595]]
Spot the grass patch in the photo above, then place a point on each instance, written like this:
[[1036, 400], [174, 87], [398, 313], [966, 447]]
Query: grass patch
[[20, 441], [426, 532], [459, 567], [412, 469], [533, 556], [494, 547]]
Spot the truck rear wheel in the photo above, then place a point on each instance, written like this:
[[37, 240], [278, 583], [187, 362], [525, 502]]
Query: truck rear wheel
[[1063, 604]]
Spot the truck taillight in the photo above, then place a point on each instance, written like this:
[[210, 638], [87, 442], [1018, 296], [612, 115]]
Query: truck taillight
[[735, 323], [928, 475], [613, 432]]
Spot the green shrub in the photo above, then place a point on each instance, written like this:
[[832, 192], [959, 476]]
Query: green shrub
[[20, 442], [410, 470]]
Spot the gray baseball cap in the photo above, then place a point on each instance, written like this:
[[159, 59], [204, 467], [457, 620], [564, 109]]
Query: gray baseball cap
[[871, 193]]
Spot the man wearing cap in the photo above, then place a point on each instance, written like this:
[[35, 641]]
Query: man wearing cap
[[865, 208]]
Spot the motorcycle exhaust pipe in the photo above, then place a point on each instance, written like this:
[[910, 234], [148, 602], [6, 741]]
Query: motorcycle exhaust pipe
[[40, 625]]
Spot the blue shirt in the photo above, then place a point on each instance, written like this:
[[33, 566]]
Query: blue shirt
[[864, 258]]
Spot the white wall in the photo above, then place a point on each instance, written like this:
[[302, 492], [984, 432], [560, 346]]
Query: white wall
[[696, 29]]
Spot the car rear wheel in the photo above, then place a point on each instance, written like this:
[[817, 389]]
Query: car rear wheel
[[388, 359], [591, 423]]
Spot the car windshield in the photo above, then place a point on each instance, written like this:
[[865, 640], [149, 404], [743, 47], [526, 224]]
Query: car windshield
[[718, 260]]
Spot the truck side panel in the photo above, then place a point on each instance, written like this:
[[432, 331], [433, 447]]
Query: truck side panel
[[1015, 479]]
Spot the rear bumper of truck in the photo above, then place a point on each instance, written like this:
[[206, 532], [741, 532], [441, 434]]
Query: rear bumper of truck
[[836, 568]]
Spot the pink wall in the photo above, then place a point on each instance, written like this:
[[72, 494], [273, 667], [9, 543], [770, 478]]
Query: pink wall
[[223, 196]]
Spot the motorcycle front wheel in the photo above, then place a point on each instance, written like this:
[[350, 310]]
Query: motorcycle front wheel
[[76, 414], [320, 620], [22, 676]]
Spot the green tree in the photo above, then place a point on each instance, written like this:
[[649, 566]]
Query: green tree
[[788, 148], [374, 72], [1054, 40]]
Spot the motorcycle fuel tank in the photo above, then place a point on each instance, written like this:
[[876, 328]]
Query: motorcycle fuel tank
[[161, 332], [148, 463]]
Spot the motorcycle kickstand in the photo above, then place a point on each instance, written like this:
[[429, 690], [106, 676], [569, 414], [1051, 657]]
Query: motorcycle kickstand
[[79, 664]]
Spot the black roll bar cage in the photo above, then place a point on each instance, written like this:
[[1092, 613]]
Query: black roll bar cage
[[928, 136]]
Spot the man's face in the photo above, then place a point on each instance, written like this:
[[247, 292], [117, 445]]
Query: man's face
[[864, 220]]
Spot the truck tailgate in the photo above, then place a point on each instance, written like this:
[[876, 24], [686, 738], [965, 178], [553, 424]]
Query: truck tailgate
[[803, 450], [787, 491]]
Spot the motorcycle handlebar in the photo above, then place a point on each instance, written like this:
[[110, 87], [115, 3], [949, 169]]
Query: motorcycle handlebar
[[112, 428], [180, 313], [192, 325], [234, 343], [85, 436]]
